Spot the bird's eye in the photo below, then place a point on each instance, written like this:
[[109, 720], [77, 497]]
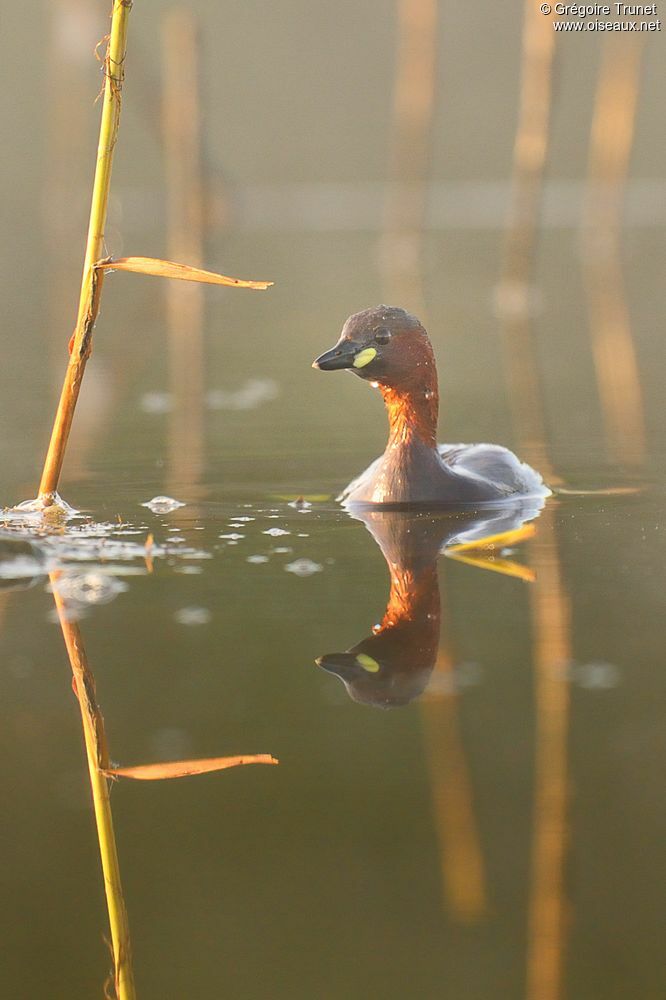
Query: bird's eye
[[382, 335]]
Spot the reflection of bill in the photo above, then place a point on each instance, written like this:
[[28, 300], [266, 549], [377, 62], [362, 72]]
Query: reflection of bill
[[393, 665]]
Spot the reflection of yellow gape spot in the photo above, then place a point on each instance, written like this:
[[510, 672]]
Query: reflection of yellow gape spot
[[364, 358], [366, 661]]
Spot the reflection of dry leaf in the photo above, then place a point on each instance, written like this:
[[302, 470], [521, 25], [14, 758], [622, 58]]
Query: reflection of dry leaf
[[170, 269], [506, 566], [489, 542], [148, 557], [183, 768], [484, 552]]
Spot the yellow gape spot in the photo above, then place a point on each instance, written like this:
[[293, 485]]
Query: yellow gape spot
[[364, 358], [366, 661]]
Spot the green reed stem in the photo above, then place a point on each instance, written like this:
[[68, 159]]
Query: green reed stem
[[91, 282]]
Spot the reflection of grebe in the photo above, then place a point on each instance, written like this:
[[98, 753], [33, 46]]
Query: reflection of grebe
[[392, 666], [389, 348]]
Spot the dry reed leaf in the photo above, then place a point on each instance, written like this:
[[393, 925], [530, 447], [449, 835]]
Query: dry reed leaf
[[184, 768], [170, 269]]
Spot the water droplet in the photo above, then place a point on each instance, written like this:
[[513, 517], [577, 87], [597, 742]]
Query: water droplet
[[275, 532], [232, 537]]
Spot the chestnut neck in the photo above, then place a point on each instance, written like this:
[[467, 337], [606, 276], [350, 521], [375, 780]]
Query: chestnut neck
[[413, 410]]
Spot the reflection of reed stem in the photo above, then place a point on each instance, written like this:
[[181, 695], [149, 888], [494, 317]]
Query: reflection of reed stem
[[550, 606], [97, 754], [182, 140], [610, 329], [552, 654], [413, 107], [461, 859], [81, 345]]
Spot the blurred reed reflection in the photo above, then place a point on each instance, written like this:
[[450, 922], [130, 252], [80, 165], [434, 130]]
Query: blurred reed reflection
[[393, 665]]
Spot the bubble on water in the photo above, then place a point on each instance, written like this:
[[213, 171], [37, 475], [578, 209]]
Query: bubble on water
[[188, 553], [46, 509], [163, 505], [248, 396], [257, 559], [275, 532], [188, 570], [282, 550], [244, 519], [596, 676], [177, 538], [156, 402], [193, 616], [300, 504], [233, 537], [85, 589], [303, 567], [75, 548], [21, 561]]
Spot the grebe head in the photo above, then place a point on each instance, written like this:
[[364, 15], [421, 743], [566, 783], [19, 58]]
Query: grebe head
[[384, 344]]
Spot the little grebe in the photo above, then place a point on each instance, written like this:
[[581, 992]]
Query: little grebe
[[389, 348]]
